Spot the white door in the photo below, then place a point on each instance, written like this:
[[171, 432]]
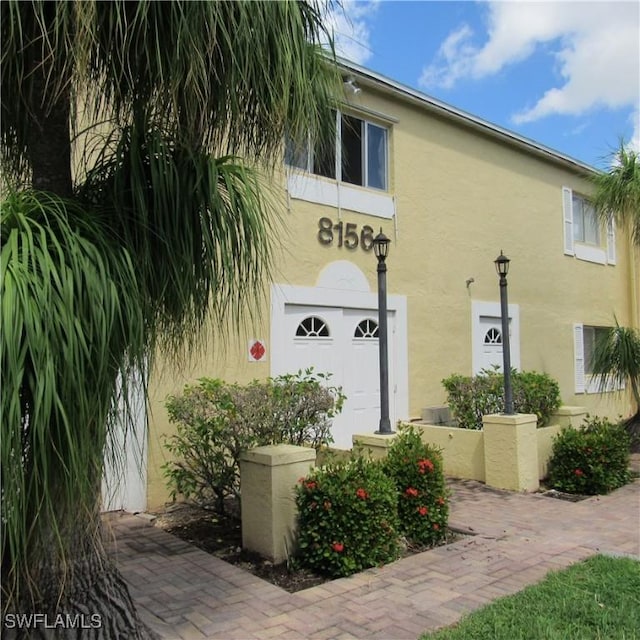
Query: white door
[[362, 370], [124, 485], [491, 332], [487, 338], [343, 342]]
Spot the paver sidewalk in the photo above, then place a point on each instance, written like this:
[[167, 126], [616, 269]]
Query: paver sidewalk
[[185, 593]]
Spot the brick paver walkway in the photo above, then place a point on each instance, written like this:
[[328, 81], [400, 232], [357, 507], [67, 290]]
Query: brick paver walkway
[[184, 593]]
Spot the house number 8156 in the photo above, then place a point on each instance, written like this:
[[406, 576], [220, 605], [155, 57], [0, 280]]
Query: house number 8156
[[345, 234]]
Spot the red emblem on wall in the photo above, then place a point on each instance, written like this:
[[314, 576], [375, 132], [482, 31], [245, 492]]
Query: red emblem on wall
[[257, 351]]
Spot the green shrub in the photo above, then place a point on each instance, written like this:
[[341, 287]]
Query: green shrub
[[470, 398], [416, 469], [537, 393], [347, 518], [590, 461], [216, 422]]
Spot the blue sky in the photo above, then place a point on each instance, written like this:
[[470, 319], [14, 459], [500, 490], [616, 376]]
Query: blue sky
[[565, 74]]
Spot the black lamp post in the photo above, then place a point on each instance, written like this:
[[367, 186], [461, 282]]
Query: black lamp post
[[381, 249], [502, 267]]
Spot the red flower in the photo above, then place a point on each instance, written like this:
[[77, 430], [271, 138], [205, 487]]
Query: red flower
[[411, 492], [579, 472], [425, 465], [362, 494], [338, 547], [310, 484], [436, 526], [441, 501], [423, 511]]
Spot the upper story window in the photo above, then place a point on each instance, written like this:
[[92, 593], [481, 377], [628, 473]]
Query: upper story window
[[584, 235], [358, 155], [586, 227]]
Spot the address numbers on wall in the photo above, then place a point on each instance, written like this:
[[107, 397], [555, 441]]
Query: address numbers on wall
[[345, 234]]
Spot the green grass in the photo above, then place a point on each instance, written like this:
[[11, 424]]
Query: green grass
[[595, 599]]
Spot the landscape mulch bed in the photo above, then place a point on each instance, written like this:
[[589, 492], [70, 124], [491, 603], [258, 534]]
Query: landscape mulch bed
[[221, 536]]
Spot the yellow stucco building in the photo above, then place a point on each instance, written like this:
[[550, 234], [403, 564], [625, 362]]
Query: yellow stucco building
[[451, 191]]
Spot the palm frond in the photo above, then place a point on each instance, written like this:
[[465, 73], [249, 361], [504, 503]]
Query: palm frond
[[225, 76], [617, 360], [200, 229], [71, 321], [170, 223], [617, 192]]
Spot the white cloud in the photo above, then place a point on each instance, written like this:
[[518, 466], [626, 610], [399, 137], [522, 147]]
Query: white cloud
[[595, 45], [456, 56], [350, 28]]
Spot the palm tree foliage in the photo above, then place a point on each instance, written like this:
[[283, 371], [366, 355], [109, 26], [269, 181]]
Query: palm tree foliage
[[617, 192], [617, 360], [174, 113]]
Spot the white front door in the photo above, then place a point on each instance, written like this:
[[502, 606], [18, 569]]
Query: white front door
[[487, 338], [362, 370], [491, 330], [344, 343]]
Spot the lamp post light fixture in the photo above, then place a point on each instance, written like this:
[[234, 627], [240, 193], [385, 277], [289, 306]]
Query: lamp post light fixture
[[502, 267], [381, 251]]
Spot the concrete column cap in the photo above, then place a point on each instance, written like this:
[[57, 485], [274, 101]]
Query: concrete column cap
[[374, 439], [568, 410], [275, 455], [515, 419]]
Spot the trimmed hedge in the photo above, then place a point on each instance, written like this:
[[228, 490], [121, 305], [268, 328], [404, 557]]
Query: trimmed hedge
[[347, 518], [416, 469], [470, 398], [589, 461]]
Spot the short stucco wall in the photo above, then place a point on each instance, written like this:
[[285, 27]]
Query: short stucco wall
[[462, 450], [545, 444], [465, 454]]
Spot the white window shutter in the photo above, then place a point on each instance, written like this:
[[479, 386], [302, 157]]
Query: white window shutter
[[611, 241], [578, 358], [567, 211]]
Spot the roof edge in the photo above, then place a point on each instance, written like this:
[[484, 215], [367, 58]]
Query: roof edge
[[458, 115]]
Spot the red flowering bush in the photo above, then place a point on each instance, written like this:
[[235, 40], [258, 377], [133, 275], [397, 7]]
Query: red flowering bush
[[416, 469], [347, 519], [592, 460]]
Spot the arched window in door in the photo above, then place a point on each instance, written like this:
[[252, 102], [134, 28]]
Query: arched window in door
[[312, 327], [366, 329], [493, 336]]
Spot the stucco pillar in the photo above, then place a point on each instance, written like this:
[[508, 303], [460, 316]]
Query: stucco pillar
[[567, 416], [376, 445], [268, 476], [511, 451]]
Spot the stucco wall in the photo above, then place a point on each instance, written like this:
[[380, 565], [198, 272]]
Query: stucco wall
[[460, 198], [462, 450]]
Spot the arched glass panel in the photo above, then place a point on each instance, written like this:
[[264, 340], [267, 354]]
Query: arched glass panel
[[366, 329], [312, 327], [493, 336]]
